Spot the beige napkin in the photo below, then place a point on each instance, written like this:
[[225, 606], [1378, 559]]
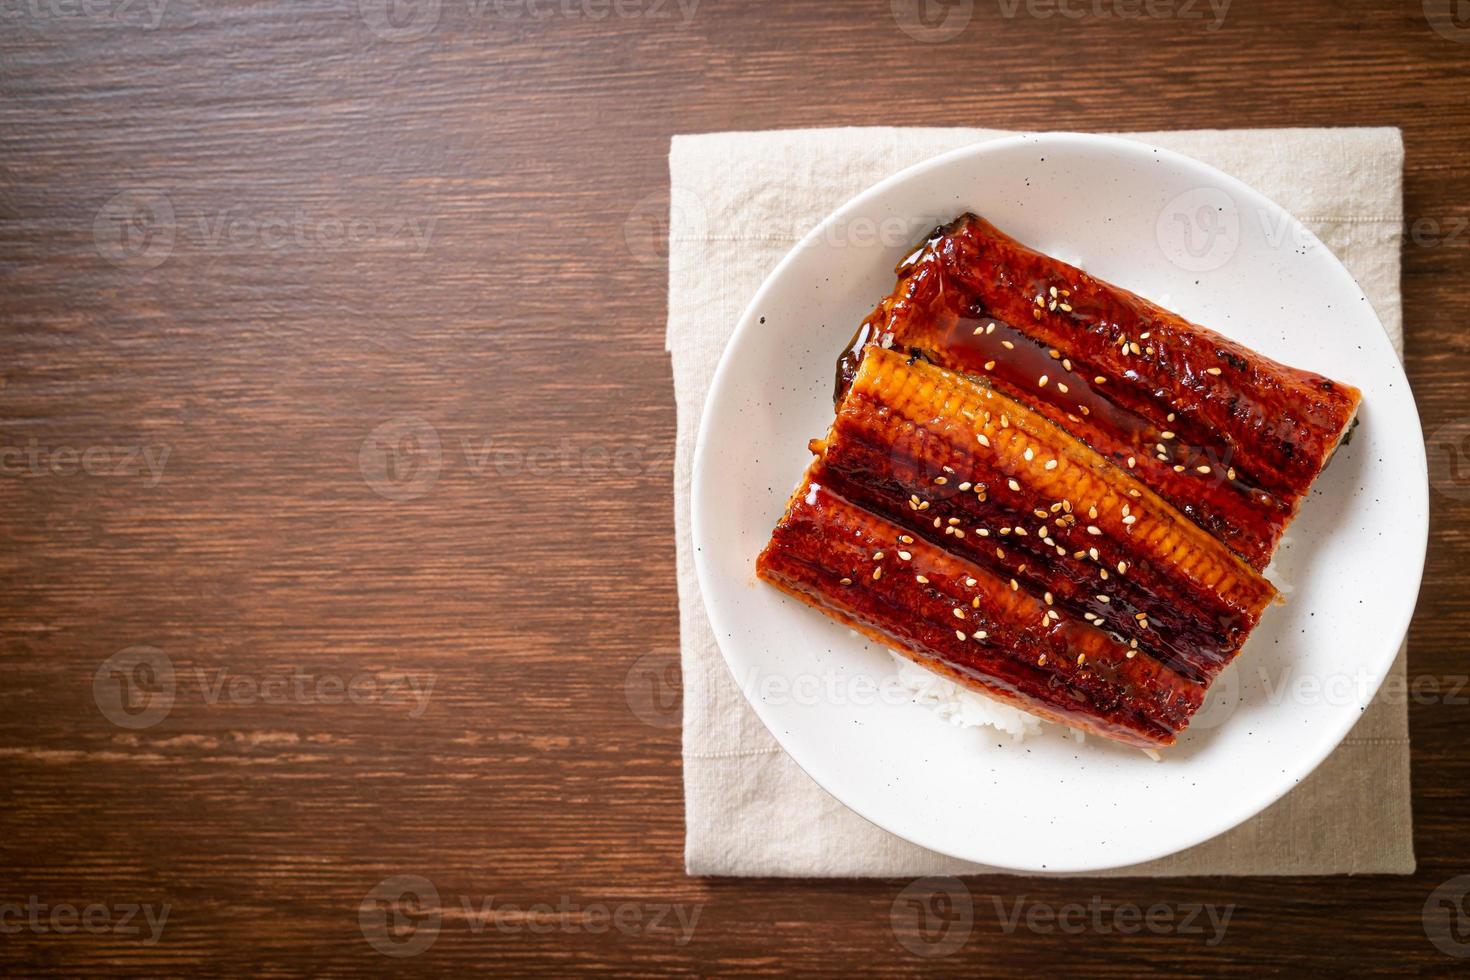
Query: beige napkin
[[739, 202]]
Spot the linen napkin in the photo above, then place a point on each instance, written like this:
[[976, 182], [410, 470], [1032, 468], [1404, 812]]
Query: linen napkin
[[739, 202]]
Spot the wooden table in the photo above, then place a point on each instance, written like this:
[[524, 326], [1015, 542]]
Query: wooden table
[[332, 368]]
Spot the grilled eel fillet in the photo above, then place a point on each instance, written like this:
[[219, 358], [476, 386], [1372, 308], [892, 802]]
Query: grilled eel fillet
[[1232, 439], [981, 541]]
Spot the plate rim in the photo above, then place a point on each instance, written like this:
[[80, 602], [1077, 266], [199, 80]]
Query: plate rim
[[745, 327]]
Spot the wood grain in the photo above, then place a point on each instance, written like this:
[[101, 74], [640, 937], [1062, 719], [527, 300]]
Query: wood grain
[[377, 243]]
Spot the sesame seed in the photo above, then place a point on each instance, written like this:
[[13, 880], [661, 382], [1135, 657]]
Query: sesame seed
[[966, 485], [1062, 388], [877, 573], [1081, 659], [1015, 586], [1005, 421], [1132, 654], [1048, 598], [1134, 349], [1014, 485], [1230, 473], [1092, 513], [1103, 598], [990, 328], [1092, 529], [979, 330], [1122, 567], [1053, 290], [979, 635], [1129, 519], [1202, 469], [1066, 364], [922, 580], [1041, 660], [1131, 462], [959, 635], [1041, 383], [923, 505], [847, 581], [877, 556], [1099, 380], [1214, 371], [941, 480], [1102, 573], [1178, 469], [975, 603], [1092, 553], [1167, 434], [1000, 552], [905, 555], [906, 539], [984, 440], [953, 521], [969, 583], [1008, 345], [990, 365], [1028, 454], [958, 613], [1054, 354]]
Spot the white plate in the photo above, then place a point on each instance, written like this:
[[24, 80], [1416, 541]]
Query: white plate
[[1206, 246]]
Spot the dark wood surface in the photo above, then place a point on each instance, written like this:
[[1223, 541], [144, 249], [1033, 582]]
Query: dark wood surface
[[486, 171]]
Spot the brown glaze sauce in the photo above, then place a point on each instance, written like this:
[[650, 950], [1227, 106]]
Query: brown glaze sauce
[[1147, 411]]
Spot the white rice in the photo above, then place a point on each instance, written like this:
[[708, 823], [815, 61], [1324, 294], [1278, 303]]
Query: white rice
[[961, 706]]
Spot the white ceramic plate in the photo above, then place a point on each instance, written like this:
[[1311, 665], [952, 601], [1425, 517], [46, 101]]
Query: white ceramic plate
[[1204, 245]]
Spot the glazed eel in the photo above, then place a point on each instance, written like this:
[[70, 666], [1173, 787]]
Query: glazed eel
[[975, 537], [1232, 439]]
